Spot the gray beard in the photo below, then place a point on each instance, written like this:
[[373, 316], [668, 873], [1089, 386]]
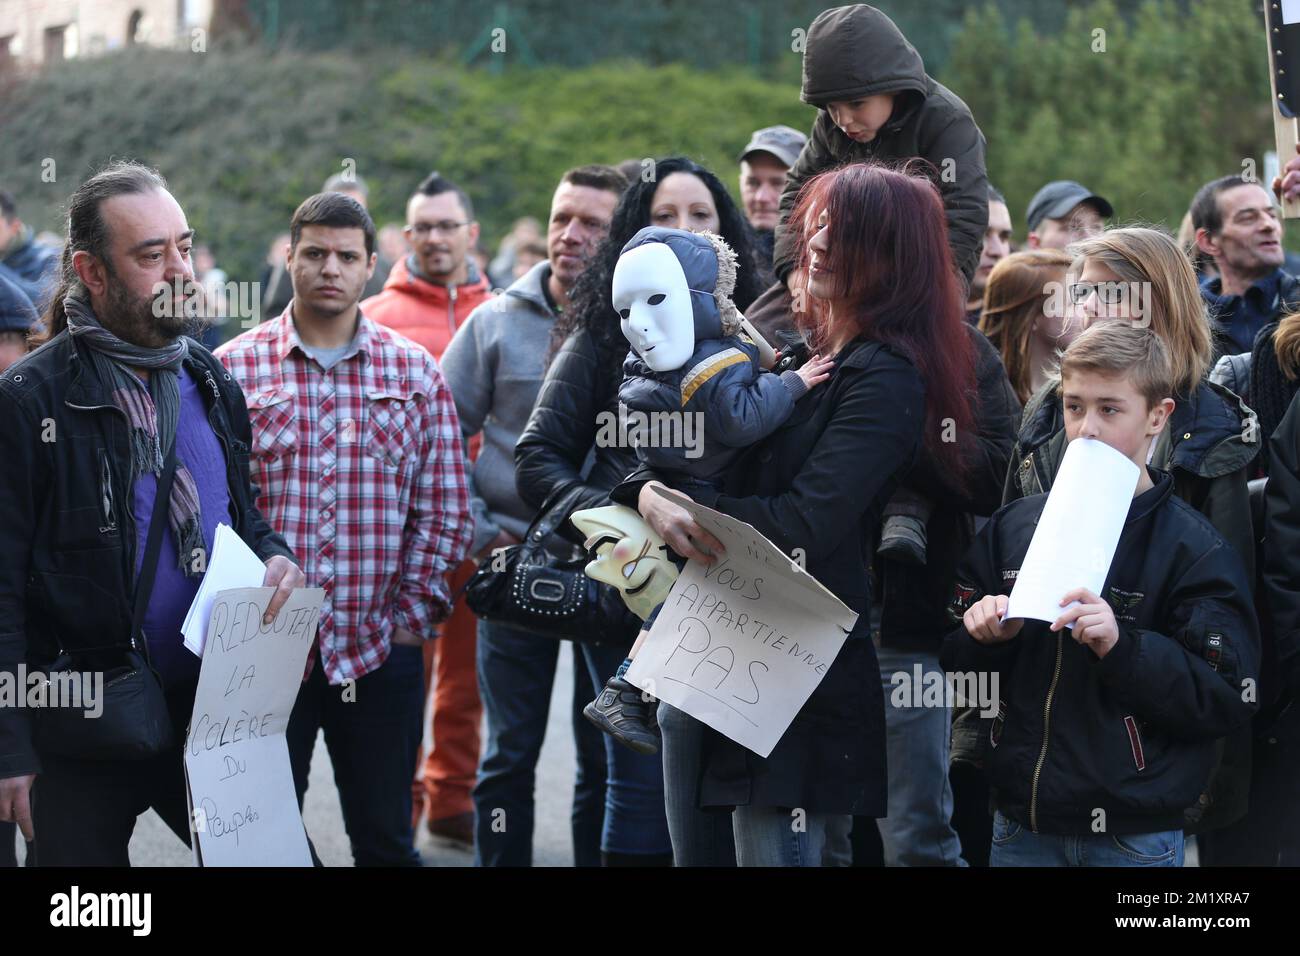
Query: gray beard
[[132, 319]]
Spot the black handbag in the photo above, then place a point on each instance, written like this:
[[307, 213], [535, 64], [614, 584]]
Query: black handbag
[[527, 587], [133, 722]]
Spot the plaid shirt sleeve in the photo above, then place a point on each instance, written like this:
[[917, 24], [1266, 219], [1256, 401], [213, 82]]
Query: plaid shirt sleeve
[[439, 526]]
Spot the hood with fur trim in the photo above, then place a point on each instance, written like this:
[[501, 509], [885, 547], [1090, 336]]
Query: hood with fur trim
[[709, 265]]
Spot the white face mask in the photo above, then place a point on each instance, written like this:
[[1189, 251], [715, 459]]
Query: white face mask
[[651, 295]]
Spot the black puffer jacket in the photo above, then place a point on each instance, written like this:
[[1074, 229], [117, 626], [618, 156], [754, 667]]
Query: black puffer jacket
[[553, 450], [1131, 734], [68, 534], [913, 599], [857, 51]]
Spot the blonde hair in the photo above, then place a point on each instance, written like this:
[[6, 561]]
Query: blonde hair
[[1119, 348], [1286, 345], [1014, 296], [1178, 316]]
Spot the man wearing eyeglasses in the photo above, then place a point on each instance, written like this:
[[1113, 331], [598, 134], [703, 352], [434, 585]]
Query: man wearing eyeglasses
[[435, 288], [427, 297]]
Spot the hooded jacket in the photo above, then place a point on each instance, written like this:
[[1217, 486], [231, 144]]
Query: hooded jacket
[[1134, 733], [857, 51], [720, 385], [425, 312]]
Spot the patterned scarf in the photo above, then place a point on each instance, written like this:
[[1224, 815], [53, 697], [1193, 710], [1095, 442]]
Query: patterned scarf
[[153, 417]]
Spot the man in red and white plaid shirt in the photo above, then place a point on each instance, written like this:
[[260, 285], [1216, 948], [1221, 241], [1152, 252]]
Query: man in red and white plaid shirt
[[358, 456]]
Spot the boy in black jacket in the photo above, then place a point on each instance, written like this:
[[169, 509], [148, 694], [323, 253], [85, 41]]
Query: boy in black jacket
[[1109, 715]]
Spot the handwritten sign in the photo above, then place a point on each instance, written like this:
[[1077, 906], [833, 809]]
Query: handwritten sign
[[243, 806], [743, 644]]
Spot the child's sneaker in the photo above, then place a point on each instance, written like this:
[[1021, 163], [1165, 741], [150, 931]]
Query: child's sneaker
[[623, 712], [902, 538]]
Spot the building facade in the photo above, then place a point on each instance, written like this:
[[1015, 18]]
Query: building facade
[[34, 33]]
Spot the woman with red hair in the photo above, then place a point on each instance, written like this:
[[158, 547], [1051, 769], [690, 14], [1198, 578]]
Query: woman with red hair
[[883, 299]]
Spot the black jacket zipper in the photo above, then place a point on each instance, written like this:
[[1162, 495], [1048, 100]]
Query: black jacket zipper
[[127, 517], [1047, 730], [106, 498]]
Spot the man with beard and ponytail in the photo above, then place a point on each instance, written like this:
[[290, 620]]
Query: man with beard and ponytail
[[116, 403]]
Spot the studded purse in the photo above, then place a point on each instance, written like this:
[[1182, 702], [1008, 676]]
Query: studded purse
[[526, 586]]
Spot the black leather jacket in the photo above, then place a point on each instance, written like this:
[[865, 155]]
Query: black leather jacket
[[1133, 733], [563, 428], [68, 536]]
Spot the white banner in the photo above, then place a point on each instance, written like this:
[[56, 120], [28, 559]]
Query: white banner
[[243, 806]]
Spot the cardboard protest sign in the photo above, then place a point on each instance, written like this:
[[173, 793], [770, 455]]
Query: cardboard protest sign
[[1077, 532], [243, 806], [741, 645], [1282, 26]]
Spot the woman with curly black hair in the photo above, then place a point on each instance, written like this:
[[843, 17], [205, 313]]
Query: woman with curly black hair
[[679, 194], [581, 384]]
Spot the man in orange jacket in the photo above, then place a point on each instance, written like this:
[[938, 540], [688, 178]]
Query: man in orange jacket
[[426, 298]]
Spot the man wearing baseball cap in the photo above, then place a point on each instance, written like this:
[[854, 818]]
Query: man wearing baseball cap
[[764, 164], [1063, 212]]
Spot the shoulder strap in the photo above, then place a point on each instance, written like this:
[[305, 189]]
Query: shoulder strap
[[553, 513], [149, 567]]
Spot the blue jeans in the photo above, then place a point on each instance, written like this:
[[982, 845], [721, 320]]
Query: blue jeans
[[747, 836], [634, 788], [373, 735], [1017, 845], [516, 671], [918, 830]]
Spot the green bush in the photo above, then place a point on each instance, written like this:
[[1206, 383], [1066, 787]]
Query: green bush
[[243, 137], [1178, 97]]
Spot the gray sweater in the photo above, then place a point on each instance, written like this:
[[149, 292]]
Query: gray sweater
[[494, 367]]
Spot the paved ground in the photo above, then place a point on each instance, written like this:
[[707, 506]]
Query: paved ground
[[155, 845]]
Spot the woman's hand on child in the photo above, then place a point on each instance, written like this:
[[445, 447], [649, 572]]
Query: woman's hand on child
[[984, 622], [1093, 620], [675, 525], [816, 370]]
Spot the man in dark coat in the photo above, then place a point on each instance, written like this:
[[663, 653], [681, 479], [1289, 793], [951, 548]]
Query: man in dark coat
[[87, 418]]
